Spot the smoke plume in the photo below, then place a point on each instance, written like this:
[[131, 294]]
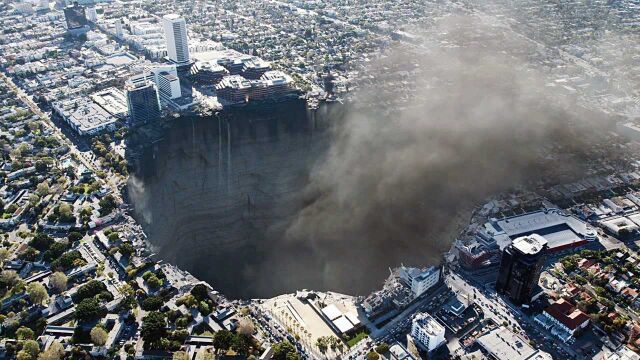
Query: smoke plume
[[434, 130], [396, 184]]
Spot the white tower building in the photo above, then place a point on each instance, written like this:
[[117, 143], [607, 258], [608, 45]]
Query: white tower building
[[166, 79], [175, 34], [120, 29], [427, 331], [92, 14]]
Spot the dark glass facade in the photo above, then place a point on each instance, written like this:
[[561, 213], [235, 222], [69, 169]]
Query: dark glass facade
[[519, 274], [75, 17], [143, 104]]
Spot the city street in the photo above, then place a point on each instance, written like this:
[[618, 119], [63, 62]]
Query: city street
[[501, 312]]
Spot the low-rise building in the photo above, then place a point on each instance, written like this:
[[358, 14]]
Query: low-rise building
[[84, 116], [563, 319], [502, 344], [420, 280], [399, 352]]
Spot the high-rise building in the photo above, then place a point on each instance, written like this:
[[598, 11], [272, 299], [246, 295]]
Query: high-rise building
[[520, 268], [175, 34], [427, 332], [76, 19], [143, 103], [43, 5], [120, 28], [165, 77], [167, 81], [92, 14], [169, 85]]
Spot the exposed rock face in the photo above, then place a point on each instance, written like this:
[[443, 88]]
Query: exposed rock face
[[219, 208]]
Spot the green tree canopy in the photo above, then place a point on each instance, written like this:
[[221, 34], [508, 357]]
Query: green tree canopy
[[152, 303], [89, 309], [153, 328], [99, 336], [284, 351], [37, 293], [241, 344], [90, 289], [222, 340]]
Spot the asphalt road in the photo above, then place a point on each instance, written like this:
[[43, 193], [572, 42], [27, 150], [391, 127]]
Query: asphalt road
[[496, 308]]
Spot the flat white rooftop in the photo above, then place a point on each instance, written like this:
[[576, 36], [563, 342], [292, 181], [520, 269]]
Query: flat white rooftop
[[530, 245], [503, 344], [331, 312]]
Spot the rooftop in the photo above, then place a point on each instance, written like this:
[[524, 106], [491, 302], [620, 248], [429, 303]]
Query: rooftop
[[503, 344], [400, 352], [530, 245], [428, 324], [558, 228], [331, 312], [567, 314], [85, 114], [172, 17]]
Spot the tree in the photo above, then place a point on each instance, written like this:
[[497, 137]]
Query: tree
[[24, 355], [88, 309], [382, 348], [208, 355], [29, 254], [113, 237], [153, 328], [126, 249], [372, 355], [600, 291], [30, 350], [128, 301], [66, 261], [180, 355], [66, 213], [43, 189], [200, 292], [58, 281], [283, 350], [74, 236], [246, 327], [333, 341], [203, 307], [4, 255], [54, 352], [37, 293], [322, 343], [154, 282], [98, 336], [89, 290], [41, 166], [152, 303], [24, 333], [222, 340], [107, 204], [241, 344], [188, 301], [56, 250], [179, 336], [9, 278]]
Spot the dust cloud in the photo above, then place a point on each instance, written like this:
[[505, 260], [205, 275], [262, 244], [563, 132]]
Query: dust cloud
[[397, 184], [436, 128]]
